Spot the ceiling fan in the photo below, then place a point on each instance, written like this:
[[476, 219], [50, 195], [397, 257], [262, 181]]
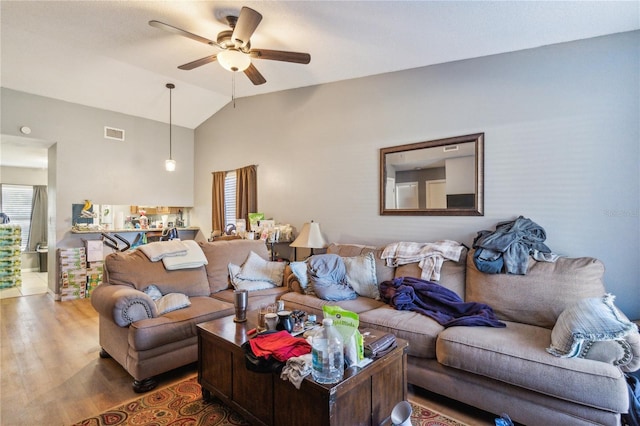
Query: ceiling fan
[[236, 48]]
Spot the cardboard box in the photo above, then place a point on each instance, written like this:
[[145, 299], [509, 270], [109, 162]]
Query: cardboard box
[[72, 252], [94, 250]]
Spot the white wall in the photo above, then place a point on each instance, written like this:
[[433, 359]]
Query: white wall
[[23, 176], [561, 141]]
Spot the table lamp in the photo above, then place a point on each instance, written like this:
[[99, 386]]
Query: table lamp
[[310, 237]]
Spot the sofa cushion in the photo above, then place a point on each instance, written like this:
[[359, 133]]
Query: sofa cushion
[[361, 275], [383, 272], [313, 305], [256, 297], [420, 330], [132, 268], [540, 296], [177, 325], [587, 321], [220, 253], [517, 355]]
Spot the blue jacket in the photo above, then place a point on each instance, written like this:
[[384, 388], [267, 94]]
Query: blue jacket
[[510, 245]]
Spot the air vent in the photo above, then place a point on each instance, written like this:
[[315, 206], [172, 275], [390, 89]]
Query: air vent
[[113, 133], [450, 148]]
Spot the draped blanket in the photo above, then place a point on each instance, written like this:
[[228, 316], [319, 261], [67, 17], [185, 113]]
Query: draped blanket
[[437, 302], [430, 256]]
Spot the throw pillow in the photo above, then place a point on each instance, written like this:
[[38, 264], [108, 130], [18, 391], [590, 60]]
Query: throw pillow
[[586, 321], [361, 275], [299, 269], [243, 284], [255, 268], [327, 278], [172, 302], [153, 292]]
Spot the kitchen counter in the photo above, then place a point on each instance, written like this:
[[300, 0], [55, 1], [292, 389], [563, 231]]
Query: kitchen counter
[[126, 230]]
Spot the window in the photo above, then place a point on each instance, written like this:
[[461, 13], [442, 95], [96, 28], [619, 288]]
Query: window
[[16, 203], [230, 186]]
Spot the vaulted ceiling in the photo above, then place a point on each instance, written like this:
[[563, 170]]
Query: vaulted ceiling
[[104, 54]]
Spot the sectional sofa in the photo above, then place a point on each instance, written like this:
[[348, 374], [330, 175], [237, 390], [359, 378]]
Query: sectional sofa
[[500, 370]]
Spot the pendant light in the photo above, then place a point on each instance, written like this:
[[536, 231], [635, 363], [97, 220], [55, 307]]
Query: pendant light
[[170, 164]]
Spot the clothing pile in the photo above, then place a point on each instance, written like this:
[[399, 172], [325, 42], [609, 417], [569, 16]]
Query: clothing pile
[[508, 247], [268, 352], [296, 369]]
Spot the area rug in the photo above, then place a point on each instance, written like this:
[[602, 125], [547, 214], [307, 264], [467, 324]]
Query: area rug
[[182, 405]]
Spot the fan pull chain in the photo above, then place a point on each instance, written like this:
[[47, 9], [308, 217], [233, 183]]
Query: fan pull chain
[[233, 89]]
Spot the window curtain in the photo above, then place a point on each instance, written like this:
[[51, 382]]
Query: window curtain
[[247, 192], [217, 203], [38, 228]]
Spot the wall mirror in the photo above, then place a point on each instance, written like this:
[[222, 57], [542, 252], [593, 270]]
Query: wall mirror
[[443, 177]]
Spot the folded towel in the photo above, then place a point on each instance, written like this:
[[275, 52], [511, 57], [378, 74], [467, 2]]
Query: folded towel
[[296, 369], [193, 259], [161, 249]]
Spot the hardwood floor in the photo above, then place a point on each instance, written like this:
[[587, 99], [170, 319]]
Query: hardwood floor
[[51, 372]]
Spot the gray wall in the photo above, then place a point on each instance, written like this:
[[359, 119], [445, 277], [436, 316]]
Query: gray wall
[[85, 165], [561, 138]]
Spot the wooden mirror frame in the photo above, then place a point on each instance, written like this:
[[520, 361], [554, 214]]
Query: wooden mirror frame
[[478, 197]]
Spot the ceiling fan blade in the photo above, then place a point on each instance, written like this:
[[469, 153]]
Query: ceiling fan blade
[[254, 75], [247, 23], [176, 30], [280, 55], [198, 62]]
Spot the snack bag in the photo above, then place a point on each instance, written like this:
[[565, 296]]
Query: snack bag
[[346, 322]]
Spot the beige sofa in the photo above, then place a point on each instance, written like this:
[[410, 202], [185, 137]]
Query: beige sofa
[[502, 370], [147, 344]]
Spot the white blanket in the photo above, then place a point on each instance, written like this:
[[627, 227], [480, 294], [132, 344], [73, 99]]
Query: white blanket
[[193, 259], [159, 250]]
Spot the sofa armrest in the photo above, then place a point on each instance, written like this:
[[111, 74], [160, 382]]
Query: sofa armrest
[[123, 303], [291, 281]]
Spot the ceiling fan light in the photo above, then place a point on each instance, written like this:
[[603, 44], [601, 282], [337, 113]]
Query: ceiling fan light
[[234, 60]]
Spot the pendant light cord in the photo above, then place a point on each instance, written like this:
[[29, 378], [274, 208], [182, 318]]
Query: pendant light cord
[[170, 86]]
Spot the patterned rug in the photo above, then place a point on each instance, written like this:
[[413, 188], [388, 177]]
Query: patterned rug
[[182, 405]]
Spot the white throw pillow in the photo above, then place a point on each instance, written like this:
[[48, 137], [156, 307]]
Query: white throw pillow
[[172, 302], [361, 275], [249, 285], [255, 268]]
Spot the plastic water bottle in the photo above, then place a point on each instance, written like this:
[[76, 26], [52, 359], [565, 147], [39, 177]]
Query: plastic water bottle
[[327, 354]]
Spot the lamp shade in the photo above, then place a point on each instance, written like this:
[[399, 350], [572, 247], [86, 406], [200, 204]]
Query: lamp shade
[[234, 60], [310, 237]]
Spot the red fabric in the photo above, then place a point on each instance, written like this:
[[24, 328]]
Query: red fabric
[[281, 345]]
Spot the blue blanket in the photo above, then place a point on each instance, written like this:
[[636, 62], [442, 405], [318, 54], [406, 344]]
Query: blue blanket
[[437, 302]]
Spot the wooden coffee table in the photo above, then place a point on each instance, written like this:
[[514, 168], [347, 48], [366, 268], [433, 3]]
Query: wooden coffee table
[[366, 396]]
